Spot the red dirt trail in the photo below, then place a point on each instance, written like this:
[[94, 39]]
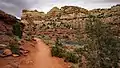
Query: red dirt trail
[[39, 57], [43, 58]]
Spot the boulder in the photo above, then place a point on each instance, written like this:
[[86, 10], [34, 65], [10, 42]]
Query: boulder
[[7, 52], [15, 55]]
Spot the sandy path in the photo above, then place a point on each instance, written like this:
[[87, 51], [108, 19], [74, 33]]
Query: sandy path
[[39, 57], [43, 58]]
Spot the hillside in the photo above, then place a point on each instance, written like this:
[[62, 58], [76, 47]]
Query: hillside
[[87, 38], [66, 37], [63, 22], [7, 33]]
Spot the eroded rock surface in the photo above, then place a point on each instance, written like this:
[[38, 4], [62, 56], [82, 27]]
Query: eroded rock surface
[[7, 36]]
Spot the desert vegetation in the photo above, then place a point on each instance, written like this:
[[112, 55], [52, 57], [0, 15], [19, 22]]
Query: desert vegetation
[[100, 47], [92, 36], [85, 39]]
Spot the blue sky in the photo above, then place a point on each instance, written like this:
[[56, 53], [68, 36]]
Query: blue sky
[[15, 7]]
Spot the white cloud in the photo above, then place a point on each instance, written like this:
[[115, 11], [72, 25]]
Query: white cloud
[[15, 6]]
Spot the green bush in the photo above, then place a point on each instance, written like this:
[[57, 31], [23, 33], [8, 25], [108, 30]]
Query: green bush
[[71, 57], [61, 53], [57, 51], [58, 42], [15, 49], [28, 38], [103, 46], [17, 30]]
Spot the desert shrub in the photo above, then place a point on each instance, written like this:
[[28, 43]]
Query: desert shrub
[[39, 36], [74, 66], [46, 37], [49, 42], [103, 46], [24, 10], [17, 30], [35, 10], [79, 51], [14, 48], [28, 38], [54, 24], [57, 51], [58, 42], [71, 57], [61, 53]]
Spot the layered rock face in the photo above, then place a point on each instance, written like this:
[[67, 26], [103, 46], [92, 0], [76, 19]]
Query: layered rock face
[[55, 15], [67, 19], [6, 28]]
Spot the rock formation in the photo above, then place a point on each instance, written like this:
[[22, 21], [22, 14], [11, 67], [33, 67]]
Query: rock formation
[[6, 28], [68, 18]]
